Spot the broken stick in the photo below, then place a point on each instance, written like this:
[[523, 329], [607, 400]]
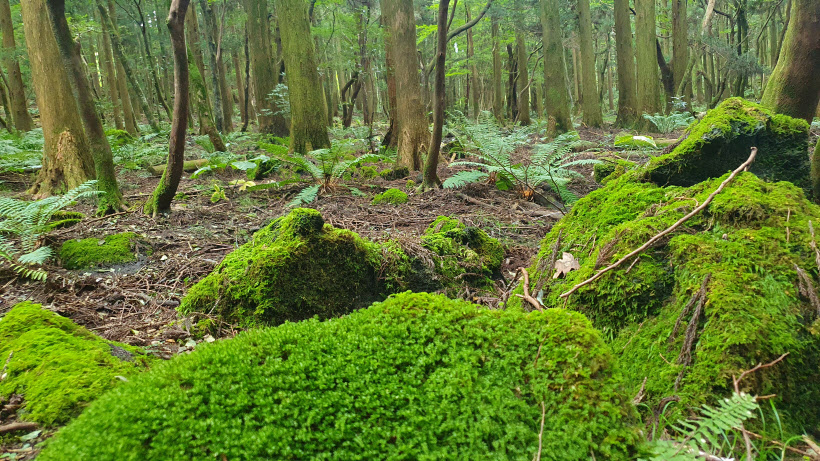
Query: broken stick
[[669, 229]]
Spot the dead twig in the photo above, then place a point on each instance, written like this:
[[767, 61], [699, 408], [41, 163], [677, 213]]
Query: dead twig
[[694, 300], [806, 289], [669, 229], [14, 427], [526, 296], [641, 393], [541, 432]]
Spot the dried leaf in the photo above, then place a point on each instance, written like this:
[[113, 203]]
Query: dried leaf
[[565, 264]]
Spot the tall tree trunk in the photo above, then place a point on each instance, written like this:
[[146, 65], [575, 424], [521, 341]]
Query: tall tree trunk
[[649, 93], [17, 92], [160, 201], [143, 26], [264, 74], [794, 86], [523, 80], [129, 116], [591, 101], [215, 87], [116, 44], [391, 139], [111, 201], [512, 94], [240, 89], [498, 95], [430, 179], [107, 59], [308, 130], [680, 45], [67, 162], [412, 132], [556, 99], [627, 83], [475, 83]]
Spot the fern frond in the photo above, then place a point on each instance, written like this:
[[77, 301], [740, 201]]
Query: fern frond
[[38, 256], [307, 195], [462, 178]]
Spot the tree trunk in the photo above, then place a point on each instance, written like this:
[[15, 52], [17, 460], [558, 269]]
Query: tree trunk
[[160, 201], [240, 89], [412, 132], [111, 201], [215, 88], [430, 179], [794, 86], [591, 101], [143, 26], [649, 93], [498, 95], [680, 44], [815, 171], [308, 130], [556, 99], [264, 75], [116, 44], [627, 84], [67, 162], [18, 112], [474, 81], [512, 94], [108, 64], [523, 83]]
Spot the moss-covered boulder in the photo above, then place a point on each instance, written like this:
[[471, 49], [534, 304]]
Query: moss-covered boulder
[[749, 243], [611, 169], [293, 269], [721, 141], [57, 366], [418, 376], [113, 249]]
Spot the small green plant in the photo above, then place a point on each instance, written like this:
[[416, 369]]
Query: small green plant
[[390, 196], [218, 194], [24, 224], [671, 122]]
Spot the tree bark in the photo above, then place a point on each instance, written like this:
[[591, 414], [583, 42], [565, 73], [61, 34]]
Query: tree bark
[[111, 201], [240, 89], [475, 83], [263, 74], [649, 94], [151, 63], [498, 94], [556, 98], [627, 83], [308, 130], [680, 45], [160, 201], [67, 162], [17, 92], [591, 102], [794, 86], [430, 179], [523, 80], [411, 128], [110, 72], [215, 87]]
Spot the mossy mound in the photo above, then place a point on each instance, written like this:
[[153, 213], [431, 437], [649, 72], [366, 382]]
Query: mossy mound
[[609, 170], [464, 251], [92, 252], [722, 140], [293, 269], [390, 196], [418, 376], [57, 366], [749, 241]]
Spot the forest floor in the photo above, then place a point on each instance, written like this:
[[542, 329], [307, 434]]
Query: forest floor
[[135, 303]]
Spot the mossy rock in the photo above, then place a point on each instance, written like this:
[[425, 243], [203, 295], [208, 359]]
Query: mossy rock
[[391, 197], [57, 366], [722, 140], [293, 269], [608, 170], [749, 240], [368, 172], [113, 249], [396, 173], [418, 376]]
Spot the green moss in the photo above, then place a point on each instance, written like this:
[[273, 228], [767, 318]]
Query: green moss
[[415, 377], [56, 365], [390, 196], [609, 170], [750, 239], [395, 173], [721, 141], [63, 219], [91, 252], [368, 172], [118, 138], [410, 185], [293, 269]]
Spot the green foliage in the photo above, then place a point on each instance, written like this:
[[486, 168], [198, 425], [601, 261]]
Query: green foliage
[[549, 166], [118, 138], [418, 376], [56, 365], [671, 122], [641, 141], [608, 169], [716, 432], [25, 223], [92, 252], [19, 153], [390, 196]]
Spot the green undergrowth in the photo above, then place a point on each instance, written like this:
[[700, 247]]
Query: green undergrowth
[[57, 366], [418, 376], [391, 197], [722, 140], [750, 240], [299, 267], [92, 252]]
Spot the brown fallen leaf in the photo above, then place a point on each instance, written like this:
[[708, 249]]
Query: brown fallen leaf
[[565, 264]]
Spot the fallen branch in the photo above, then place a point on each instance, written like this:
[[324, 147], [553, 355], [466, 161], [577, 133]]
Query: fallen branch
[[526, 296], [541, 433], [14, 427], [669, 229]]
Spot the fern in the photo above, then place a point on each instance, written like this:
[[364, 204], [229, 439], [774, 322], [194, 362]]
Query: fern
[[307, 195], [462, 178], [716, 433], [27, 222], [669, 123]]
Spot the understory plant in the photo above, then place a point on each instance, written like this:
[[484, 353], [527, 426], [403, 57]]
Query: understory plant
[[25, 223], [671, 122], [550, 164]]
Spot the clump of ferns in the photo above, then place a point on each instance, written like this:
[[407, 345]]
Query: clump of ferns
[[325, 169], [24, 224], [550, 165]]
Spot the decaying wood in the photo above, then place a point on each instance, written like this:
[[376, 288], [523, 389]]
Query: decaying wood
[[15, 427], [668, 230]]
